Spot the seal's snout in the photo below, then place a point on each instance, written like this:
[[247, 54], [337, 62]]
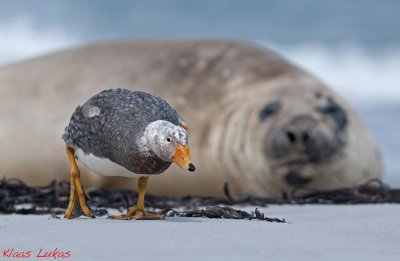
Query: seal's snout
[[300, 133], [191, 167], [301, 137]]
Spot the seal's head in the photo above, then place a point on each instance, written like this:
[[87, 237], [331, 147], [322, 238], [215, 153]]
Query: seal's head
[[280, 134], [302, 128]]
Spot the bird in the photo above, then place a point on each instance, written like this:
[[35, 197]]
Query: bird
[[119, 132]]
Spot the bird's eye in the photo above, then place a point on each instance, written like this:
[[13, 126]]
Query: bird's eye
[[168, 139]]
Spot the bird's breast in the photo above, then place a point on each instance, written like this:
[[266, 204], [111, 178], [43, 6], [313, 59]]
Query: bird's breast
[[102, 166]]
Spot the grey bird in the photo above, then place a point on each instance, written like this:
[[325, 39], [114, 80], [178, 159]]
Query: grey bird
[[119, 132]]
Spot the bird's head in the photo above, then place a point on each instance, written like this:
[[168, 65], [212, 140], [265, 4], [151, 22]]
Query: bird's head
[[170, 143]]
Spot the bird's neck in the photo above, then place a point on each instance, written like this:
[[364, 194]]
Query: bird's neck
[[149, 134], [146, 155], [143, 145]]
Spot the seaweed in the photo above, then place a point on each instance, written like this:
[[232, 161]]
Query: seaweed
[[17, 197]]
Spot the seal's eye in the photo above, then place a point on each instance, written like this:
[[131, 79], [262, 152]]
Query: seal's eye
[[336, 112], [269, 110], [168, 139]]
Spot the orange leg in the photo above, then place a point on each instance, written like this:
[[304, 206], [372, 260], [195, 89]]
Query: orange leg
[[138, 212], [77, 203]]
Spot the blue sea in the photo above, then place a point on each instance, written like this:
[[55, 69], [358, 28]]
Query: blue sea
[[353, 46]]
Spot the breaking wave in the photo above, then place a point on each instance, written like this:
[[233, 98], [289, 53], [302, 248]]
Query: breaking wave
[[21, 39], [363, 76]]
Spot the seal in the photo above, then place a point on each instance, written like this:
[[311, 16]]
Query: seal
[[257, 122]]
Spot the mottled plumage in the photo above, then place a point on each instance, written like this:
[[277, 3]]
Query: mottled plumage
[[122, 133], [111, 124]]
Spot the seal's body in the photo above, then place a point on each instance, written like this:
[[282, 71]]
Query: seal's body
[[256, 121]]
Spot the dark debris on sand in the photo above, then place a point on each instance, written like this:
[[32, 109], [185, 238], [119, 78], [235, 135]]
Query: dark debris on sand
[[53, 199]]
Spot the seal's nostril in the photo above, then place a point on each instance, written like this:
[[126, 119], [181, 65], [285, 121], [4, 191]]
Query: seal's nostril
[[291, 137], [305, 137]]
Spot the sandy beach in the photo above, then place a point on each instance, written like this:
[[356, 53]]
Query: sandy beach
[[314, 232]]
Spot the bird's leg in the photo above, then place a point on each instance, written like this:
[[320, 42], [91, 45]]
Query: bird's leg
[[77, 202], [138, 212]]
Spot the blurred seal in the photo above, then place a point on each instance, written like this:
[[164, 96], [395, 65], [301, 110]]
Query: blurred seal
[[256, 121]]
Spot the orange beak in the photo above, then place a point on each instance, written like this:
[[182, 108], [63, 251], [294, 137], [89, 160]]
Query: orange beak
[[182, 158]]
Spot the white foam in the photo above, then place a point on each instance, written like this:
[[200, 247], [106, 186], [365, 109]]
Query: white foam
[[363, 76], [21, 39]]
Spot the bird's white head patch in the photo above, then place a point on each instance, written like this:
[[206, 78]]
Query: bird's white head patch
[[163, 138]]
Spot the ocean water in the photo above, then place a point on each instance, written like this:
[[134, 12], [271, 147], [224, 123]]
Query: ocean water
[[353, 46]]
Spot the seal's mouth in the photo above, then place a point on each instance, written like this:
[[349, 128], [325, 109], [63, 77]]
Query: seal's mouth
[[296, 172], [296, 162], [295, 178]]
